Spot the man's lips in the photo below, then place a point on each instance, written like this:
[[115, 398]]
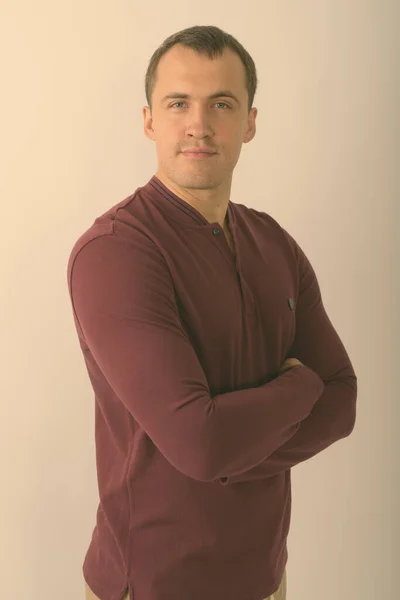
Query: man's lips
[[199, 149], [199, 154]]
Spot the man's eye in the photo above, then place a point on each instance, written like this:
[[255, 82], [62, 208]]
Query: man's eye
[[173, 105]]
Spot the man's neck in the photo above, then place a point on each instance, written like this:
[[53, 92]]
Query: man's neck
[[214, 210]]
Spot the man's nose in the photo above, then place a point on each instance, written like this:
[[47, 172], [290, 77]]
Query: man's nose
[[199, 122]]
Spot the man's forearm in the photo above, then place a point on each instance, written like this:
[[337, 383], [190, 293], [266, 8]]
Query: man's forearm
[[331, 419]]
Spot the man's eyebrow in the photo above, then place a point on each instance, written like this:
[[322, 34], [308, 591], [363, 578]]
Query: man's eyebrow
[[219, 94]]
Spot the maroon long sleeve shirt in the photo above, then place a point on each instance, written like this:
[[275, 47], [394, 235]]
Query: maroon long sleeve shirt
[[195, 430]]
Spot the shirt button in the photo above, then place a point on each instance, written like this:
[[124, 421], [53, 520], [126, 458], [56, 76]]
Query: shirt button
[[216, 231]]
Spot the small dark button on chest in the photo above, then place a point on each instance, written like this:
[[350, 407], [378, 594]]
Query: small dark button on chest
[[216, 231]]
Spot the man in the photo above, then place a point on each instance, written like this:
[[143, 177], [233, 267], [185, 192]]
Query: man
[[214, 365]]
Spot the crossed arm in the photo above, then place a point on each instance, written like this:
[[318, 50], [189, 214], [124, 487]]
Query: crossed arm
[[318, 346], [126, 315]]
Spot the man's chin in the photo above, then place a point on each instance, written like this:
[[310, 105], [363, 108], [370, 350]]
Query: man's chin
[[198, 181]]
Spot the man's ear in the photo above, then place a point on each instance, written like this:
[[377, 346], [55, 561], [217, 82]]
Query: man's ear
[[148, 123], [251, 129]]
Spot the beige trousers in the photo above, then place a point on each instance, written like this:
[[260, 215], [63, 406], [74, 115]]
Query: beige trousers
[[280, 594]]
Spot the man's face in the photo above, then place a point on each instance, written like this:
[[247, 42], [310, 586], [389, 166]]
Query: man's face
[[221, 124]]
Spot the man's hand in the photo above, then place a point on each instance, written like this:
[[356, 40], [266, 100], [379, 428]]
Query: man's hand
[[288, 364]]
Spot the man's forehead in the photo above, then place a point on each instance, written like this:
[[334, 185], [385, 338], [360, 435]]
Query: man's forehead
[[178, 77]]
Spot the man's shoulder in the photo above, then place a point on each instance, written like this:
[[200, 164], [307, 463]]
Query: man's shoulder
[[117, 224]]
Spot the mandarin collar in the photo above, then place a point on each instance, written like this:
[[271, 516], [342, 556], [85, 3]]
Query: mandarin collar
[[179, 210]]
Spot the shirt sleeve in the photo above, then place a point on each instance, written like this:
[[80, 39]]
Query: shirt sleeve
[[318, 346], [126, 313]]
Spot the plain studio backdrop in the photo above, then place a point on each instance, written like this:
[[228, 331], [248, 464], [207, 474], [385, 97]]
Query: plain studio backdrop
[[322, 163]]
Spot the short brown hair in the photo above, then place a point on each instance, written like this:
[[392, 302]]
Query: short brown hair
[[203, 39]]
